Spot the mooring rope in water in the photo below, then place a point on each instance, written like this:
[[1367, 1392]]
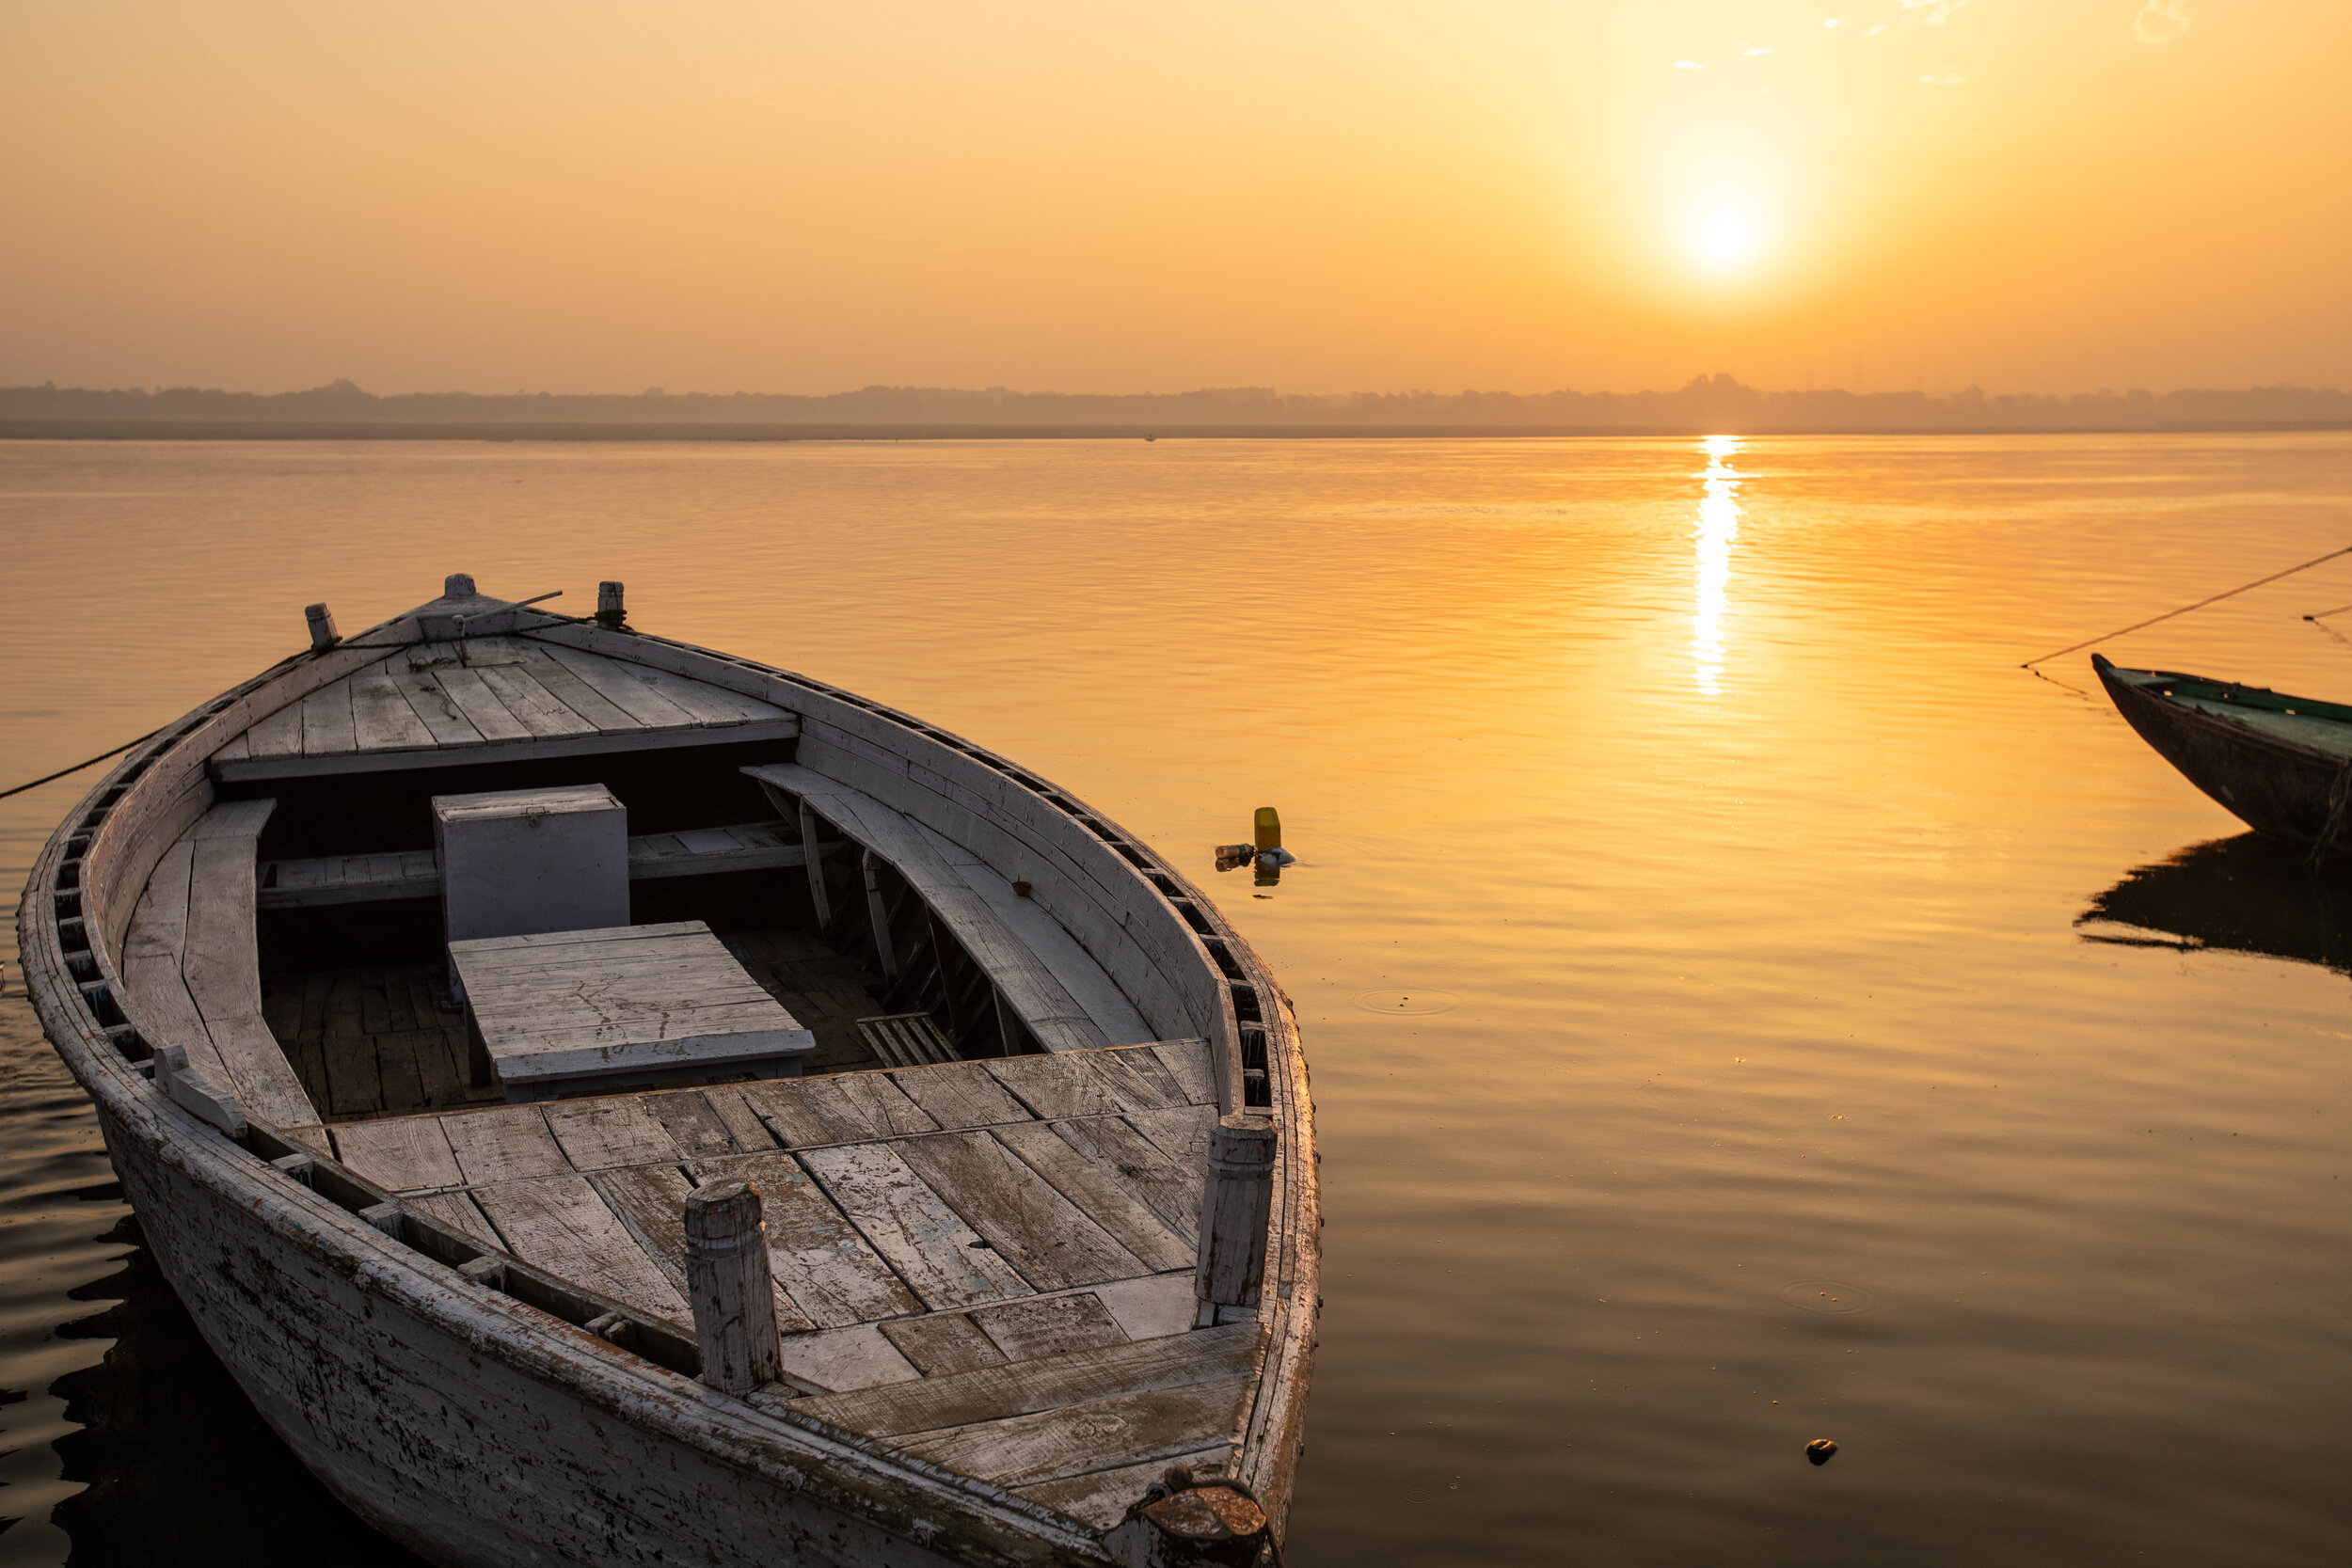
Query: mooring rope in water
[[79, 766], [2142, 626]]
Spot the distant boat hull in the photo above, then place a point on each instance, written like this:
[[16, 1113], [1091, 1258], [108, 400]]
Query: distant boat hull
[[2280, 764]]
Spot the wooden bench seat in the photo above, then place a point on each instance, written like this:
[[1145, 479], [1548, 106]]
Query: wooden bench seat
[[414, 874], [191, 965], [1050, 982]]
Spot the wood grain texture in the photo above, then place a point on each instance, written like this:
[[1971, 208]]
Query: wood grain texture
[[993, 1393], [1058, 1085], [510, 1143], [943, 1343], [598, 1133], [830, 1274], [1101, 1435], [1100, 1189], [1049, 1325], [1163, 1184], [404, 1154], [1100, 1498], [1049, 1240], [943, 1259], [561, 1224], [957, 1095]]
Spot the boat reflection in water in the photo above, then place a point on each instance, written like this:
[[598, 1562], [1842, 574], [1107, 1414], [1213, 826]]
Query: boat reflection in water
[[2245, 895]]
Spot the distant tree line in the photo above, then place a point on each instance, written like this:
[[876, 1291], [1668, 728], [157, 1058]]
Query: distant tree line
[[1717, 403]]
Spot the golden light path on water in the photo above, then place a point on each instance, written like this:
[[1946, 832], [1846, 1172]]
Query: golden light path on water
[[1716, 531]]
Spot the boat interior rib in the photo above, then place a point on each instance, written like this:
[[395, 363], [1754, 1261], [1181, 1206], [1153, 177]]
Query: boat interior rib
[[979, 1156]]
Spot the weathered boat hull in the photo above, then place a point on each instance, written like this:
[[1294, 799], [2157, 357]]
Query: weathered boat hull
[[431, 1428], [2271, 785], [476, 1429]]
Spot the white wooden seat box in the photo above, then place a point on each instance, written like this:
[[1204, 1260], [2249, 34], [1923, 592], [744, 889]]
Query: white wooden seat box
[[517, 861], [629, 1007]]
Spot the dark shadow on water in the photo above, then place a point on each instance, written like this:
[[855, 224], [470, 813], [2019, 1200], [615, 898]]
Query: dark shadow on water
[[179, 1471], [2242, 895]]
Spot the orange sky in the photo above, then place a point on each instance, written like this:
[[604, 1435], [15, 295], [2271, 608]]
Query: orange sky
[[2028, 195]]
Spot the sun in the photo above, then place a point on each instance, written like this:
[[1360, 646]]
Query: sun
[[1726, 235]]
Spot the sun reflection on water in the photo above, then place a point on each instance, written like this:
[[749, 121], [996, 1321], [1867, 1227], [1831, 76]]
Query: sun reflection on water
[[1717, 530]]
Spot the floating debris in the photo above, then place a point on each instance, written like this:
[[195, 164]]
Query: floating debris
[[1820, 1449]]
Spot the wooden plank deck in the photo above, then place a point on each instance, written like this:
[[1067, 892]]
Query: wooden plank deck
[[440, 704], [1010, 1298]]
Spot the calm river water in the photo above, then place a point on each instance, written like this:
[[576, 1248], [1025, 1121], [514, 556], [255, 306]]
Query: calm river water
[[1709, 1052]]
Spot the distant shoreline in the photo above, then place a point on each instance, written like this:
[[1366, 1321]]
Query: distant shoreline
[[586, 431]]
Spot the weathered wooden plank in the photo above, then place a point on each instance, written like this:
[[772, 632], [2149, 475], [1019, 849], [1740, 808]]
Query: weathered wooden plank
[[806, 1112], [1139, 1080], [1055, 1085], [947, 1342], [406, 1154], [1019, 1389], [575, 693], [1100, 1498], [709, 705], [1097, 1188], [509, 1143], [830, 1272], [472, 697], [382, 721], [443, 718], [153, 948], [958, 1095], [879, 1100], [596, 1135], [1049, 1240], [1153, 1307], [278, 734], [1049, 1325], [650, 1203], [1163, 1184], [457, 1211], [1188, 1063], [326, 721], [519, 691], [159, 924], [693, 1124], [561, 1224], [1183, 1130], [617, 684], [847, 1358], [1101, 1434], [222, 966], [750, 1135], [943, 1260]]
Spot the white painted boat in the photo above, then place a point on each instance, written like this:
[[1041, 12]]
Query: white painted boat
[[472, 1212]]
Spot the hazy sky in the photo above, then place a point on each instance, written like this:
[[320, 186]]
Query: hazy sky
[[2029, 195]]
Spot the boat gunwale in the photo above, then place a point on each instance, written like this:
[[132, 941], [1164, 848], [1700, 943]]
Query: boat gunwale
[[139, 797]]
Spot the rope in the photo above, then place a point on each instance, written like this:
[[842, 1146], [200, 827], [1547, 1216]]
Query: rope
[[79, 766], [2142, 626]]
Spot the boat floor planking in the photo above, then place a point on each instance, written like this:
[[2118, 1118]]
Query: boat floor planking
[[469, 1286]]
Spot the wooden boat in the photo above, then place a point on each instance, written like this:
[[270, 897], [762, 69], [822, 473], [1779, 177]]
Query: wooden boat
[[920, 1171], [2282, 763]]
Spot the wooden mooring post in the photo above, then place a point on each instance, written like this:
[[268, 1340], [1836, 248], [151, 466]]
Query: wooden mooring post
[[727, 1283], [1234, 1211]]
